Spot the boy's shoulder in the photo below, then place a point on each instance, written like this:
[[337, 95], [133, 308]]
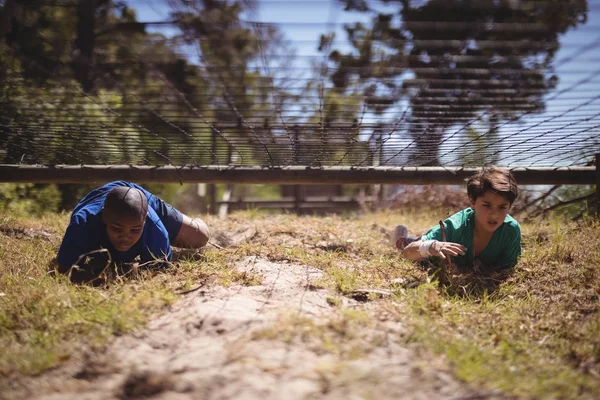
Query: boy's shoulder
[[512, 224], [154, 227], [461, 218], [88, 210], [153, 218]]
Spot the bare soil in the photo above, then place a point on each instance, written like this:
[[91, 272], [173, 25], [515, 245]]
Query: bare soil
[[209, 345]]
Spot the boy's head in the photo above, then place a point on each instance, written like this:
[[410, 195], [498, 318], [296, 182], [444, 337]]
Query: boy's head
[[493, 179], [124, 214], [491, 192]]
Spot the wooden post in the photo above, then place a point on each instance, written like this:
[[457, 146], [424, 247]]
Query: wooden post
[[382, 192], [201, 192], [298, 189], [212, 196], [224, 208], [296, 161], [212, 189], [379, 161], [598, 185]]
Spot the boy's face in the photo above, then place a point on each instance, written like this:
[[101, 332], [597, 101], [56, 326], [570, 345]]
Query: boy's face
[[124, 232], [490, 210]]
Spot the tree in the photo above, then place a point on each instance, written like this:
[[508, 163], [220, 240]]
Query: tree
[[229, 54], [483, 60], [92, 87]]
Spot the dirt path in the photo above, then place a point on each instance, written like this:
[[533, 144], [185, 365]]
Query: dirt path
[[214, 344]]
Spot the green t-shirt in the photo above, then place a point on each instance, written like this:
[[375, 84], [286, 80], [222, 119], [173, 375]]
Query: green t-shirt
[[502, 251]]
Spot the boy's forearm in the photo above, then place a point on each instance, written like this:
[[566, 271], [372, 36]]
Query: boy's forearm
[[411, 251]]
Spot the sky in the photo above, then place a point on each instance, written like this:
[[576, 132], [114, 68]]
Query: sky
[[569, 124]]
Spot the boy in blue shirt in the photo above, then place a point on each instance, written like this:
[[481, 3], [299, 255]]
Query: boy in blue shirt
[[482, 235], [128, 222]]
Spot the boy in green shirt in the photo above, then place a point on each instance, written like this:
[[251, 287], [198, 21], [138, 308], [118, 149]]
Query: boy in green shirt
[[482, 235]]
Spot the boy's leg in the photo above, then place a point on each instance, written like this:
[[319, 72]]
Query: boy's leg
[[193, 233], [400, 237], [183, 231]]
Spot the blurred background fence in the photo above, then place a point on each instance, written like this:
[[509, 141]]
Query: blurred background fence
[[336, 92]]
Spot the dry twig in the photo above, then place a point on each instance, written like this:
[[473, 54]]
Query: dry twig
[[448, 258], [99, 276]]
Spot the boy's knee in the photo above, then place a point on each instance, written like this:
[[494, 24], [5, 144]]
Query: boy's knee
[[203, 233], [194, 233]]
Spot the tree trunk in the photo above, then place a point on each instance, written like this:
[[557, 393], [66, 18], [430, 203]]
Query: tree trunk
[[83, 56], [7, 16]]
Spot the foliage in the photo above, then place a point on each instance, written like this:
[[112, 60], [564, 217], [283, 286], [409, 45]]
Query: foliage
[[89, 84], [444, 45], [561, 202], [169, 192], [483, 151], [574, 210], [28, 199]]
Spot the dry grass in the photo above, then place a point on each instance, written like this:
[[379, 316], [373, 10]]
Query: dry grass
[[533, 334]]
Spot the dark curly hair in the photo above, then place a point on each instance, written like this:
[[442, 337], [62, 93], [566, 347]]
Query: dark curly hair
[[498, 180]]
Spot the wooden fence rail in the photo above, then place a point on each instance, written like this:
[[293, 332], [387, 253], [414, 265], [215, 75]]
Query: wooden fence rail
[[307, 203], [284, 175]]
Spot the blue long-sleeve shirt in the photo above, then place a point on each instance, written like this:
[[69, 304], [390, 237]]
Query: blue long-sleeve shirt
[[86, 231]]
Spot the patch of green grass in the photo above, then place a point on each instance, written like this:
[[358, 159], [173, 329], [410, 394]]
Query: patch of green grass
[[46, 320], [534, 333]]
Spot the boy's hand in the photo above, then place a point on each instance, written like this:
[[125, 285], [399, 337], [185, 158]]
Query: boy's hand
[[90, 271], [447, 249]]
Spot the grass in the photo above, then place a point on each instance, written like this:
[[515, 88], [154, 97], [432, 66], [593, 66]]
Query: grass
[[43, 319], [46, 320], [537, 334], [342, 334], [532, 334]]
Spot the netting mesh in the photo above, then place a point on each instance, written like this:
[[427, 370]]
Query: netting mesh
[[391, 83]]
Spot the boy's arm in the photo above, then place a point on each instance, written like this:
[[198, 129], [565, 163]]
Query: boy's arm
[[422, 249], [74, 244], [156, 246], [77, 243], [431, 245]]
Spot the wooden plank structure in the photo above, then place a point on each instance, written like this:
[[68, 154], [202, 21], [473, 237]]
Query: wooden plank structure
[[300, 204], [284, 175]]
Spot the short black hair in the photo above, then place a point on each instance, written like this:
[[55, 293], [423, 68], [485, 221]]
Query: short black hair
[[127, 202]]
